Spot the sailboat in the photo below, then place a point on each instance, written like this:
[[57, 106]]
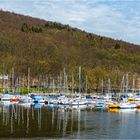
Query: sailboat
[[109, 102], [15, 99], [26, 100], [7, 98], [79, 103], [125, 104]]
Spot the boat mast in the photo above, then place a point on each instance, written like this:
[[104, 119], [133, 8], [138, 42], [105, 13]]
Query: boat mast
[[80, 80], [53, 86], [13, 80], [72, 84], [66, 77], [28, 80], [16, 85], [8, 88], [64, 84], [47, 84], [33, 86], [22, 84], [19, 89], [4, 85], [126, 83], [40, 84], [86, 83], [109, 87], [133, 86], [102, 84], [122, 86], [57, 83], [60, 82]]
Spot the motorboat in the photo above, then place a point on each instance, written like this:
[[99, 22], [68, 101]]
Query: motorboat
[[127, 105]]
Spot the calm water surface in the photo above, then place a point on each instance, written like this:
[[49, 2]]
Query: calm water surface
[[34, 122]]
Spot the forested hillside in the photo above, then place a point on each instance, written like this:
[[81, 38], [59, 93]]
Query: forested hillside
[[49, 47]]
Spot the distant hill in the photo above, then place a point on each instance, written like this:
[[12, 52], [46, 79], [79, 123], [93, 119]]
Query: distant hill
[[49, 47]]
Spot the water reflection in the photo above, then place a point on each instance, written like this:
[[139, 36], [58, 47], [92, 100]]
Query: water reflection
[[37, 120]]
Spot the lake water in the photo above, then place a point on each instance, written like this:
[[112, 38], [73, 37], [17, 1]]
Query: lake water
[[42, 123]]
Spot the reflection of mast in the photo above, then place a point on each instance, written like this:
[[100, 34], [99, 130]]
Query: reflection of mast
[[3, 118], [7, 117], [9, 114], [72, 121], [33, 113], [65, 123], [85, 121], [52, 117], [59, 122], [18, 113], [12, 120], [27, 125], [15, 111], [22, 114], [39, 118], [79, 119]]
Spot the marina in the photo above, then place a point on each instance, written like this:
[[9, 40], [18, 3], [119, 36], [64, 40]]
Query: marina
[[69, 69], [54, 109]]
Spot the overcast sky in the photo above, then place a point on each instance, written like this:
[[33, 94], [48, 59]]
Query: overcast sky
[[119, 19]]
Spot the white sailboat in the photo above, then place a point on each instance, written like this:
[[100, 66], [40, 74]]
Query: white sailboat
[[125, 104]]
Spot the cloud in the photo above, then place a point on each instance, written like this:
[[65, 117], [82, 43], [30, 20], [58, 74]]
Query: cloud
[[113, 18]]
